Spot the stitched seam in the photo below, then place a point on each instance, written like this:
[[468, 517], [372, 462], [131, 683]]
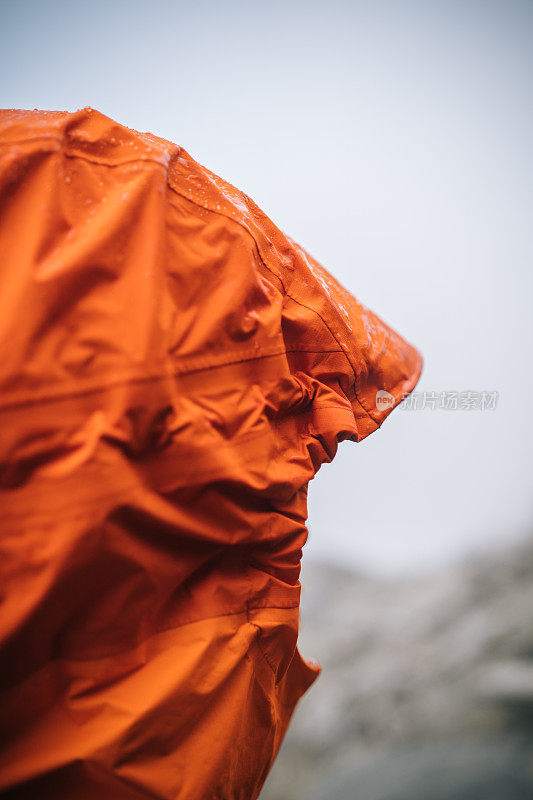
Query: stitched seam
[[148, 379], [166, 629], [258, 643], [238, 222]]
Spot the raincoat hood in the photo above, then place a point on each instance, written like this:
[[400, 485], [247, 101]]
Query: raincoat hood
[[174, 371]]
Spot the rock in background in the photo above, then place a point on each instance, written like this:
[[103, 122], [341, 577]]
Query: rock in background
[[427, 686]]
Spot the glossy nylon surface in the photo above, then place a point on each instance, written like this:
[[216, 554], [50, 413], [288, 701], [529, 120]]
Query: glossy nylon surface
[[174, 371]]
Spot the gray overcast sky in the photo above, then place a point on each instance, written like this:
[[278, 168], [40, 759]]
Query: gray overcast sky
[[393, 140]]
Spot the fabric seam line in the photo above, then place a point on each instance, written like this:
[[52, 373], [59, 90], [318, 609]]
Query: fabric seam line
[[148, 379], [163, 629]]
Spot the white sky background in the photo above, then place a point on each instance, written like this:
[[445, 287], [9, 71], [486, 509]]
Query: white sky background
[[394, 141]]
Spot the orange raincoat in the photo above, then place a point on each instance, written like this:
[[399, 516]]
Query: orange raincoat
[[173, 372]]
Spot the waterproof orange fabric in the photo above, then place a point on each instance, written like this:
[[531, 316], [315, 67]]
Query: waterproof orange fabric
[[173, 372]]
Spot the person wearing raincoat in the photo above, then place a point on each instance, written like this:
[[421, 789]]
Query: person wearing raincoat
[[174, 370]]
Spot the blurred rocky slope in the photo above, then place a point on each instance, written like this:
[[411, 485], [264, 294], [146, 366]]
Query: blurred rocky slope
[[427, 685]]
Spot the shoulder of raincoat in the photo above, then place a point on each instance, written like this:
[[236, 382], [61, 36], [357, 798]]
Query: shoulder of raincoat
[[174, 370]]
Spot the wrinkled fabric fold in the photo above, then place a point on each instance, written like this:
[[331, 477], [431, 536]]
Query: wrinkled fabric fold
[[174, 371]]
